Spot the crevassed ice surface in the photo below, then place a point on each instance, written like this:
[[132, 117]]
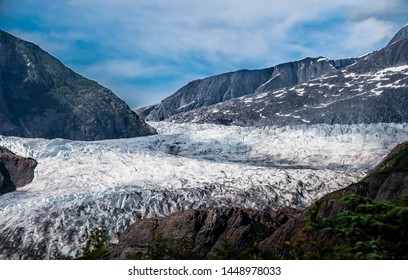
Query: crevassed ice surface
[[79, 186]]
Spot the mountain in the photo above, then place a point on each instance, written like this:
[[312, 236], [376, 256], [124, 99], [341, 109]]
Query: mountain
[[40, 97], [219, 88], [210, 173], [372, 90]]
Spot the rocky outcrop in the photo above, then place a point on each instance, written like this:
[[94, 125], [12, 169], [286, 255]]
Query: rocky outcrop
[[5, 182], [40, 97], [15, 171], [220, 88], [202, 233]]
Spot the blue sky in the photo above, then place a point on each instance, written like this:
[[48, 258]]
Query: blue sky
[[144, 50]]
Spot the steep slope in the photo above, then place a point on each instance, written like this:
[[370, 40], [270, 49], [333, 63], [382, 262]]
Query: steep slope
[[219, 88], [402, 34], [40, 97], [370, 91]]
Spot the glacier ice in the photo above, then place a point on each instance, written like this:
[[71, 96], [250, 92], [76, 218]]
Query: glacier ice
[[80, 185]]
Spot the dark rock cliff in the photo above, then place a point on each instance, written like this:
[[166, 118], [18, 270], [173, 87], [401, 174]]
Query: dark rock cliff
[[40, 97], [15, 171], [203, 233]]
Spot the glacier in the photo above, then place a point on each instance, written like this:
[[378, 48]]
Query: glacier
[[80, 186]]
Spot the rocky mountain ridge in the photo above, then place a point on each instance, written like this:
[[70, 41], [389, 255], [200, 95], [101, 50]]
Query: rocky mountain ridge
[[368, 89], [402, 34], [220, 88], [40, 97], [372, 90]]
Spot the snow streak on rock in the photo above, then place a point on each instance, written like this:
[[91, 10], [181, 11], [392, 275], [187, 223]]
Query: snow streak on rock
[[79, 186]]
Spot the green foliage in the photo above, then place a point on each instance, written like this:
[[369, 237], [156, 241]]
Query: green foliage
[[94, 249], [368, 229], [230, 252], [159, 250]]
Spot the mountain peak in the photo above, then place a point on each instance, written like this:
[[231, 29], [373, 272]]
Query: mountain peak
[[402, 34]]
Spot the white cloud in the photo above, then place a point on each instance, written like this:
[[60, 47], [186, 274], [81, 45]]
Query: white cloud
[[366, 33], [236, 31], [125, 69], [380, 9]]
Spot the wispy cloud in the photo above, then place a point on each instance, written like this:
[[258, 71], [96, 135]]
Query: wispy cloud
[[126, 43]]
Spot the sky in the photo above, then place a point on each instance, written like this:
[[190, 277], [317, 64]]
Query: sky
[[144, 50]]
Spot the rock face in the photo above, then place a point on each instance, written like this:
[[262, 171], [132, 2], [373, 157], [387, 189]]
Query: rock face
[[40, 97], [204, 233], [5, 182], [15, 171], [373, 90], [402, 34], [219, 88]]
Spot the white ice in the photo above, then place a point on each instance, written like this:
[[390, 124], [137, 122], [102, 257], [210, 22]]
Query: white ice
[[82, 185]]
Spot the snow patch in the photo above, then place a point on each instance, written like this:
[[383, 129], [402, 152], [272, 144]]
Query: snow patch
[[186, 105]]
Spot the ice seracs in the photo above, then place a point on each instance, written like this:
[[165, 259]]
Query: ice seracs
[[79, 186]]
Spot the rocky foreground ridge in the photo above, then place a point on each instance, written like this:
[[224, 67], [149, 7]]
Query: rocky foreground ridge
[[15, 171], [40, 97], [212, 232]]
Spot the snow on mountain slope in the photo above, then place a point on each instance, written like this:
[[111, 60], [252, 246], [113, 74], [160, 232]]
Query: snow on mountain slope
[[373, 90], [79, 186]]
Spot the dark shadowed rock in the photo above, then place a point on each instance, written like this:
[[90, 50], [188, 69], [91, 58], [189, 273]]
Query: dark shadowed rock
[[6, 185], [40, 97], [15, 171], [199, 233]]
